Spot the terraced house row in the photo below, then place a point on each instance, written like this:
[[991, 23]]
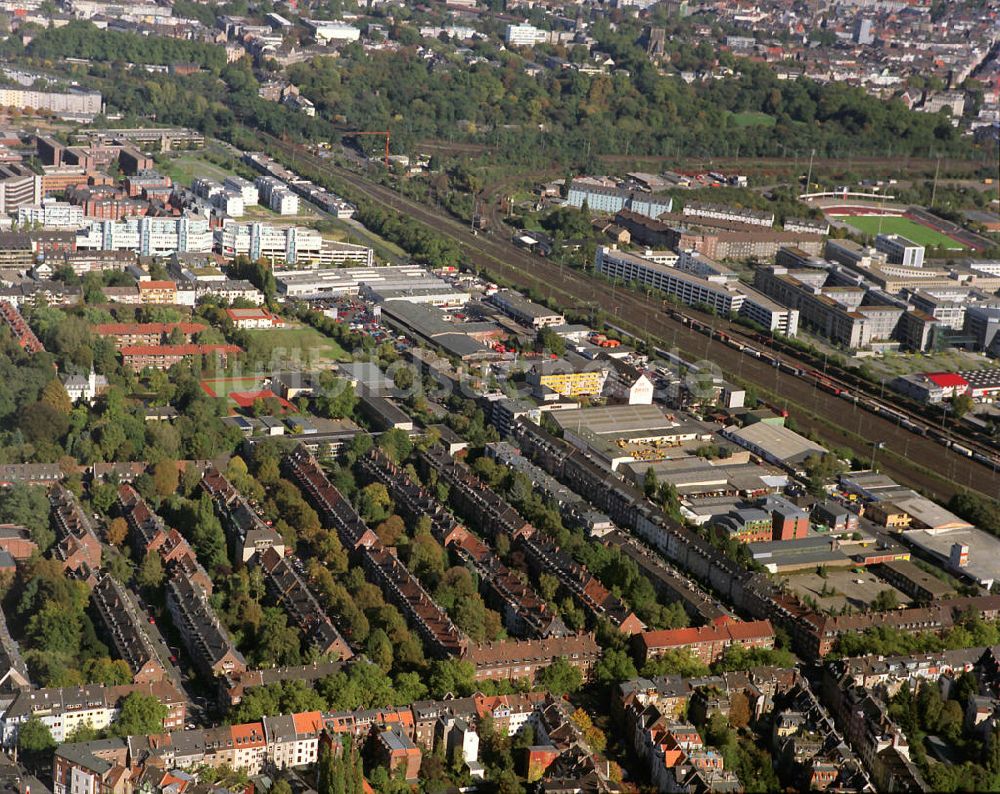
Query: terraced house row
[[291, 592], [78, 548], [524, 613], [148, 533], [495, 515], [400, 587], [126, 627], [212, 649], [64, 709], [246, 531], [294, 740]]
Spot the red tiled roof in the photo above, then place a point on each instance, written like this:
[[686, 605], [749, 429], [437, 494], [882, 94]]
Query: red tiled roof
[[124, 329], [178, 350], [157, 285], [245, 399], [676, 638], [947, 380]]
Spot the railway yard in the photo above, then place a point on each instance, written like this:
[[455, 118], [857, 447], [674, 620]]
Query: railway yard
[[926, 459]]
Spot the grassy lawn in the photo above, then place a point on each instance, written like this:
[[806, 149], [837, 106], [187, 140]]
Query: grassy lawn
[[922, 235], [752, 118], [296, 343], [353, 232], [184, 168]]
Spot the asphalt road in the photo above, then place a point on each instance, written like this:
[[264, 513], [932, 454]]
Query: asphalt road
[[913, 460]]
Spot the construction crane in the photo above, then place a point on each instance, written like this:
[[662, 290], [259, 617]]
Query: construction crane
[[386, 134]]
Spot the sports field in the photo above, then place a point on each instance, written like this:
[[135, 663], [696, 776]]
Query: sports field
[[221, 387], [911, 230]]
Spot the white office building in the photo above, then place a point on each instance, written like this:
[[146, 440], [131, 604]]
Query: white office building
[[720, 291], [148, 236], [525, 35], [244, 187], [51, 214], [900, 251]]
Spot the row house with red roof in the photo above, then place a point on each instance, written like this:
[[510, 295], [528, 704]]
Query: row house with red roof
[[20, 329], [133, 334], [707, 643], [138, 357], [148, 533], [398, 585], [78, 548]]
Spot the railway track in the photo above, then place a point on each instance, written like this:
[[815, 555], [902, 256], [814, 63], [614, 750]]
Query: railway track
[[914, 460]]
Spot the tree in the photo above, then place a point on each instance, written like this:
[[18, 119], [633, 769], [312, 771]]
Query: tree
[[54, 395], [28, 506], [677, 661], [613, 667], [140, 714], [396, 444], [391, 530], [885, 601], [962, 404], [166, 478], [739, 710], [150, 573], [560, 678], [374, 503], [35, 742], [452, 676], [117, 531]]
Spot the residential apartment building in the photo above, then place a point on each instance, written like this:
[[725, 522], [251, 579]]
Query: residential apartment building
[[511, 660], [524, 35], [77, 546], [145, 334], [289, 245], [697, 209], [245, 530], [277, 196], [51, 214], [157, 292], [206, 639], [138, 357], [723, 295], [707, 643], [611, 200], [19, 328], [19, 185], [147, 236], [125, 626], [71, 105], [63, 710], [291, 592]]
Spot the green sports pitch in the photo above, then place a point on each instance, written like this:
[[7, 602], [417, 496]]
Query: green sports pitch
[[911, 230]]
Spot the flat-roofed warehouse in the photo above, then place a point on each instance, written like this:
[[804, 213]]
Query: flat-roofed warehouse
[[775, 444], [406, 283], [620, 434]]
